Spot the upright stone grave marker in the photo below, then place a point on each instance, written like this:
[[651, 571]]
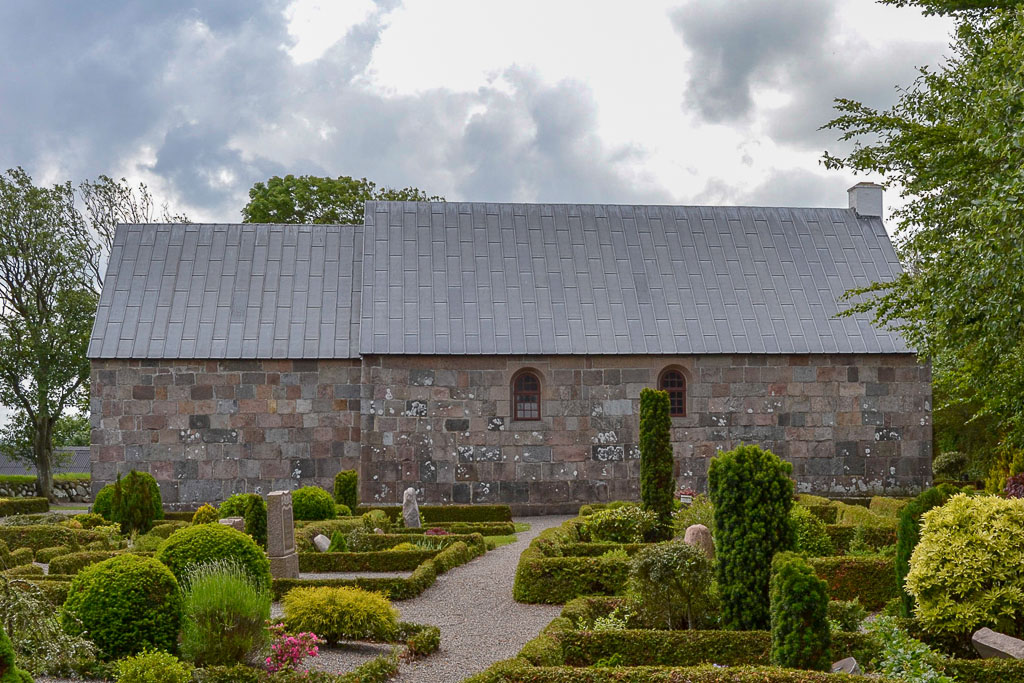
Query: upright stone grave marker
[[284, 561], [410, 509]]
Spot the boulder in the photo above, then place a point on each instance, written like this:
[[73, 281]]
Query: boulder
[[992, 644], [410, 509], [846, 666], [321, 542], [699, 536]]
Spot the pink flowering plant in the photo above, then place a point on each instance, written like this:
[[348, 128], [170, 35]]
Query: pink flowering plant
[[287, 650], [435, 531]]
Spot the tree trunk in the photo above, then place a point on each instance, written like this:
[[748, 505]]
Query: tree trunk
[[42, 446]]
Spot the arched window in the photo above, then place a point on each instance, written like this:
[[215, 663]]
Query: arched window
[[674, 383], [526, 396]]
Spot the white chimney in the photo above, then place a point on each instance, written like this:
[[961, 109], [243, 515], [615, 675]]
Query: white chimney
[[866, 199]]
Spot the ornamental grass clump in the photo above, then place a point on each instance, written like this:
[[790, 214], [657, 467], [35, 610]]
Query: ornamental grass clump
[[752, 494], [670, 586], [337, 614], [801, 637], [965, 573], [224, 614]]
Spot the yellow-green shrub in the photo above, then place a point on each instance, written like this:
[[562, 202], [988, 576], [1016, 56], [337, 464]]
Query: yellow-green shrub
[[965, 572], [153, 667], [337, 614], [858, 515], [206, 514]]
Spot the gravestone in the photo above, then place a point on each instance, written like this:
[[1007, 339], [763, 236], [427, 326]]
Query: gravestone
[[410, 509], [699, 536], [284, 561], [234, 523], [846, 666], [992, 644], [322, 543]]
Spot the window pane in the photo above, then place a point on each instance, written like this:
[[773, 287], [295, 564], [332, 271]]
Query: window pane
[[527, 407]]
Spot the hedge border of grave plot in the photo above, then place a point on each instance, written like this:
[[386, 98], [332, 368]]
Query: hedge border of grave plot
[[397, 588], [374, 561], [557, 580], [874, 537], [431, 514], [179, 515], [380, 542], [39, 536], [72, 563], [55, 590], [518, 671], [871, 579], [985, 670], [23, 506], [482, 528], [690, 648]]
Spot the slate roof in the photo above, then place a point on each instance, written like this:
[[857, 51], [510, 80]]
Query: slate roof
[[475, 278]]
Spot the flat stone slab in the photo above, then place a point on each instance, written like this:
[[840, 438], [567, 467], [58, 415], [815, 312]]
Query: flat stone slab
[[994, 645], [846, 666]]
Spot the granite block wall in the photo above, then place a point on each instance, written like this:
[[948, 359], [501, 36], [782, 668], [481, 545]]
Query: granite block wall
[[442, 424], [207, 429], [849, 424]]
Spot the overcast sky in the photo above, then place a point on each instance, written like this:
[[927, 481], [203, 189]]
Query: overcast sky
[[682, 101]]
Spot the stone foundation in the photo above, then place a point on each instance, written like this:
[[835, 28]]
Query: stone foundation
[[67, 491], [850, 424]]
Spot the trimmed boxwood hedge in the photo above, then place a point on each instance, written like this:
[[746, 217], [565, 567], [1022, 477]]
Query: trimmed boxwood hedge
[[23, 506], [432, 514], [55, 590], [690, 648], [44, 555], [396, 588], [385, 541], [519, 671], [482, 528], [377, 561], [39, 536], [874, 537], [179, 515], [871, 579], [826, 513], [985, 670], [72, 563], [20, 556], [558, 580]]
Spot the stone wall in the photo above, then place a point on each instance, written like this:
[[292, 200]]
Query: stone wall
[[207, 429], [76, 491], [849, 424]]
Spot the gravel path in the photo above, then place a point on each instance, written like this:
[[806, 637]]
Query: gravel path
[[480, 622]]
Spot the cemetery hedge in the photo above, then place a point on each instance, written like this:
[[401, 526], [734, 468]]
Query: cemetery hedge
[[871, 579], [519, 671], [376, 561], [23, 506], [39, 536], [432, 514], [72, 563]]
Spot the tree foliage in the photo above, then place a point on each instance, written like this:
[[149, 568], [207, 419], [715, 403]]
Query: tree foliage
[[752, 494], [657, 486], [952, 144], [314, 199]]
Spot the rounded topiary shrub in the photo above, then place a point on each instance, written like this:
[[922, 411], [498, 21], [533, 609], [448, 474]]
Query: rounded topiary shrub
[[337, 614], [346, 489], [207, 543], [312, 503], [908, 533], [752, 494], [153, 667], [103, 503], [810, 532], [126, 604], [801, 637], [965, 572], [253, 509], [670, 585], [206, 514]]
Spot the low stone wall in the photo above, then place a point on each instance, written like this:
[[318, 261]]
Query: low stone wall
[[67, 491]]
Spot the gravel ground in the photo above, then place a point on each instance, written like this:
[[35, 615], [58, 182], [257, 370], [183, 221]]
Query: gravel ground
[[480, 622]]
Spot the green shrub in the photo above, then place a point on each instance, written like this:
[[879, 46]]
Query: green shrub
[[346, 489], [846, 615], [337, 614], [44, 555], [908, 533], [951, 465], [165, 529], [136, 502], [887, 507], [699, 511], [752, 494], [23, 506], [342, 510], [72, 563], [810, 532], [38, 536], [846, 537], [90, 520], [20, 557], [902, 658], [671, 586], [153, 667], [206, 514], [338, 543], [620, 525], [312, 503], [253, 509], [103, 503], [207, 543], [40, 642], [420, 640], [965, 573], [869, 579], [858, 515], [147, 543], [24, 570], [125, 604], [801, 638], [657, 486], [9, 672], [224, 614]]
